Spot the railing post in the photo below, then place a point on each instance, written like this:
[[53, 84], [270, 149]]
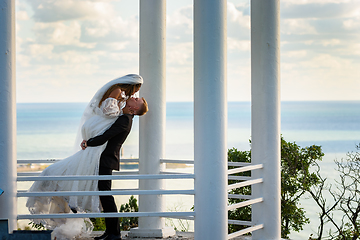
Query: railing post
[[265, 116], [8, 114], [210, 119], [152, 125]]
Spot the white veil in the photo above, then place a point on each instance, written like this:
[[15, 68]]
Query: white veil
[[93, 104]]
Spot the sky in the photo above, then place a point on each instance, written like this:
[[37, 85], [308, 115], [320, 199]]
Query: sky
[[68, 49]]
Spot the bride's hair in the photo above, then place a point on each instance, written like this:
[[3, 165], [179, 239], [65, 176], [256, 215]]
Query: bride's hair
[[129, 90]]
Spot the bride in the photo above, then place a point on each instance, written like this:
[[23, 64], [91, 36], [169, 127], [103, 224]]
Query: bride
[[99, 115]]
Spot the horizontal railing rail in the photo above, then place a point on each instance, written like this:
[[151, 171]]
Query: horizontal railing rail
[[239, 196], [245, 169], [117, 189], [245, 231], [238, 178], [245, 183], [238, 164], [187, 215], [245, 203], [133, 160], [123, 160], [37, 173], [178, 161], [240, 222], [105, 177], [105, 193]]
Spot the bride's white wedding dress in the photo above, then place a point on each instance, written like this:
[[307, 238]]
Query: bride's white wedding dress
[[83, 162]]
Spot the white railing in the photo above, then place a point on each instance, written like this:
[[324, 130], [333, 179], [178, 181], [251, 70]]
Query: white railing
[[117, 175], [134, 175], [243, 181]]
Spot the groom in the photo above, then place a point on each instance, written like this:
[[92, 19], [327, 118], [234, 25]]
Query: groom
[[109, 159]]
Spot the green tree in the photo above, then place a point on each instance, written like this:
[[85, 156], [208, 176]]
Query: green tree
[[296, 179], [243, 213], [125, 222], [129, 222]]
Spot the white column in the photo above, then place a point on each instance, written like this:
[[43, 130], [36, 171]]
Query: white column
[[8, 200], [210, 119], [265, 115], [152, 125]]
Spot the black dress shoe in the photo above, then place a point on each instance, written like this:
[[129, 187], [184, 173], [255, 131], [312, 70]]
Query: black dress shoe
[[102, 237], [113, 237]]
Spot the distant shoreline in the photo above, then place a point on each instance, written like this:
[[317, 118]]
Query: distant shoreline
[[286, 101]]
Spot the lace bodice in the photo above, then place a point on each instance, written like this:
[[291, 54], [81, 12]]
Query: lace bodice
[[105, 116], [110, 107]]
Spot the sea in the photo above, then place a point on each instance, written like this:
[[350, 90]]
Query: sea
[[47, 131]]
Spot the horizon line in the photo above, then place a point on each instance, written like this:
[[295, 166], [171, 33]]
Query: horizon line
[[193, 101]]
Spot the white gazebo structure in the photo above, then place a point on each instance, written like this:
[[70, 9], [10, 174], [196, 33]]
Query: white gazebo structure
[[210, 119]]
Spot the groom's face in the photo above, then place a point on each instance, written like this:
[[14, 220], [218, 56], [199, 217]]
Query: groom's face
[[134, 102]]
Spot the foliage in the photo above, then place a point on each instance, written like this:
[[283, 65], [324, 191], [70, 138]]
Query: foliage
[[37, 226], [98, 223], [125, 222], [243, 213], [182, 225], [296, 179], [129, 222]]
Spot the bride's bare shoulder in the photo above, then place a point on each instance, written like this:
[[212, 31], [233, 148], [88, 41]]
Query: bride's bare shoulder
[[116, 93]]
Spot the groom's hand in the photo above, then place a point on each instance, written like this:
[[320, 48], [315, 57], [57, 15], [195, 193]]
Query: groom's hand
[[83, 145]]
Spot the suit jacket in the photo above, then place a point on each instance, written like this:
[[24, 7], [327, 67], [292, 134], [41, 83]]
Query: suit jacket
[[115, 136]]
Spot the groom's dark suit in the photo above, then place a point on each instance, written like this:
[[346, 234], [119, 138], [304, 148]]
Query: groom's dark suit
[[109, 160]]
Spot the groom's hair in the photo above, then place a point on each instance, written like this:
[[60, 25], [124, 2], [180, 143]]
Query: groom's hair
[[143, 109]]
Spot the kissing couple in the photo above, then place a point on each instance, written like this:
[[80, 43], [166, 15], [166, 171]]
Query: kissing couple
[[104, 126]]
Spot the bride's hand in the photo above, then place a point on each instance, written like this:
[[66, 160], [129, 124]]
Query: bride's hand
[[83, 145]]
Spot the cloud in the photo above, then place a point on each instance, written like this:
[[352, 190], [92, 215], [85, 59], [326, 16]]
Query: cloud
[[295, 54], [320, 77], [91, 22], [53, 10], [241, 45], [239, 14], [22, 16], [179, 25], [95, 33], [297, 26], [59, 33], [180, 54], [68, 51], [302, 2], [318, 9], [110, 29], [81, 44], [352, 24], [321, 27], [238, 21], [40, 49]]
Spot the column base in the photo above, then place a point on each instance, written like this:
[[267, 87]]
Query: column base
[[152, 233]]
